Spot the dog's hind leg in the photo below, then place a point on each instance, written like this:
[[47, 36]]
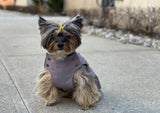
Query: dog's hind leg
[[45, 89], [86, 92]]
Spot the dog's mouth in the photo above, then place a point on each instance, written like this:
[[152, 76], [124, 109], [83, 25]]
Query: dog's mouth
[[61, 52]]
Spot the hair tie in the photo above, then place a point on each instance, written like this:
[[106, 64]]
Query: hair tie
[[61, 27]]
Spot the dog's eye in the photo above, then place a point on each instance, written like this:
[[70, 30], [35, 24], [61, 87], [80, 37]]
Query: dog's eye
[[67, 36], [52, 36]]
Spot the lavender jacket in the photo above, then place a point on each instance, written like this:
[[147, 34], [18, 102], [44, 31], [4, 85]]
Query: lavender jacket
[[62, 71]]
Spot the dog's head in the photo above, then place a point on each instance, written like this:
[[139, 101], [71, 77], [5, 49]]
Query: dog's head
[[63, 38]]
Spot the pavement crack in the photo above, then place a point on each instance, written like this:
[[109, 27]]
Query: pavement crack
[[10, 76]]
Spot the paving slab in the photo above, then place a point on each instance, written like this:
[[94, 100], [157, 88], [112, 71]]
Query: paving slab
[[10, 99]]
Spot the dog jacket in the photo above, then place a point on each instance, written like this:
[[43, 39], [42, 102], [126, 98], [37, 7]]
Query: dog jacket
[[62, 71]]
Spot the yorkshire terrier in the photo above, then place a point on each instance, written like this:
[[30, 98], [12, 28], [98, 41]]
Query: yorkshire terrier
[[66, 72]]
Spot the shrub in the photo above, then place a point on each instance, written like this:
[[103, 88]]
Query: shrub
[[91, 16], [55, 5], [41, 4], [49, 5], [29, 9], [111, 18], [146, 21], [139, 21], [1, 7]]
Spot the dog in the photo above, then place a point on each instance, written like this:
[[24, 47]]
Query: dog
[[66, 73]]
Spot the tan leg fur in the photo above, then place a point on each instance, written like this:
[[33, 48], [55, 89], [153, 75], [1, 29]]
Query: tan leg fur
[[45, 88], [86, 92]]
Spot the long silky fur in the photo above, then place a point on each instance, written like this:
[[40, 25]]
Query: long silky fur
[[46, 30], [86, 92], [74, 27], [45, 89]]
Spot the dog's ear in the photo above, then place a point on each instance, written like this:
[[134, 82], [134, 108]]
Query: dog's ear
[[41, 21], [45, 25], [74, 26], [77, 20]]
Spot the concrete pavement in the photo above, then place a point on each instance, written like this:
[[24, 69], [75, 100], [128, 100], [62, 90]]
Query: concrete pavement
[[129, 74]]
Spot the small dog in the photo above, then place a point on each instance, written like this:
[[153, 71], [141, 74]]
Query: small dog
[[66, 73]]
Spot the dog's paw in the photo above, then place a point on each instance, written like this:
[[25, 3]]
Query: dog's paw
[[49, 104], [84, 107]]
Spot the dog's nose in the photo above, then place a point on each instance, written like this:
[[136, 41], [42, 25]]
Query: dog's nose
[[60, 45]]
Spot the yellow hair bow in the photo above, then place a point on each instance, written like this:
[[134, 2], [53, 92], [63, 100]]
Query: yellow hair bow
[[61, 27]]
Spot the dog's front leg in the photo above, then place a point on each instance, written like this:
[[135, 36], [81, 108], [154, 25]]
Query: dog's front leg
[[45, 88], [86, 92]]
